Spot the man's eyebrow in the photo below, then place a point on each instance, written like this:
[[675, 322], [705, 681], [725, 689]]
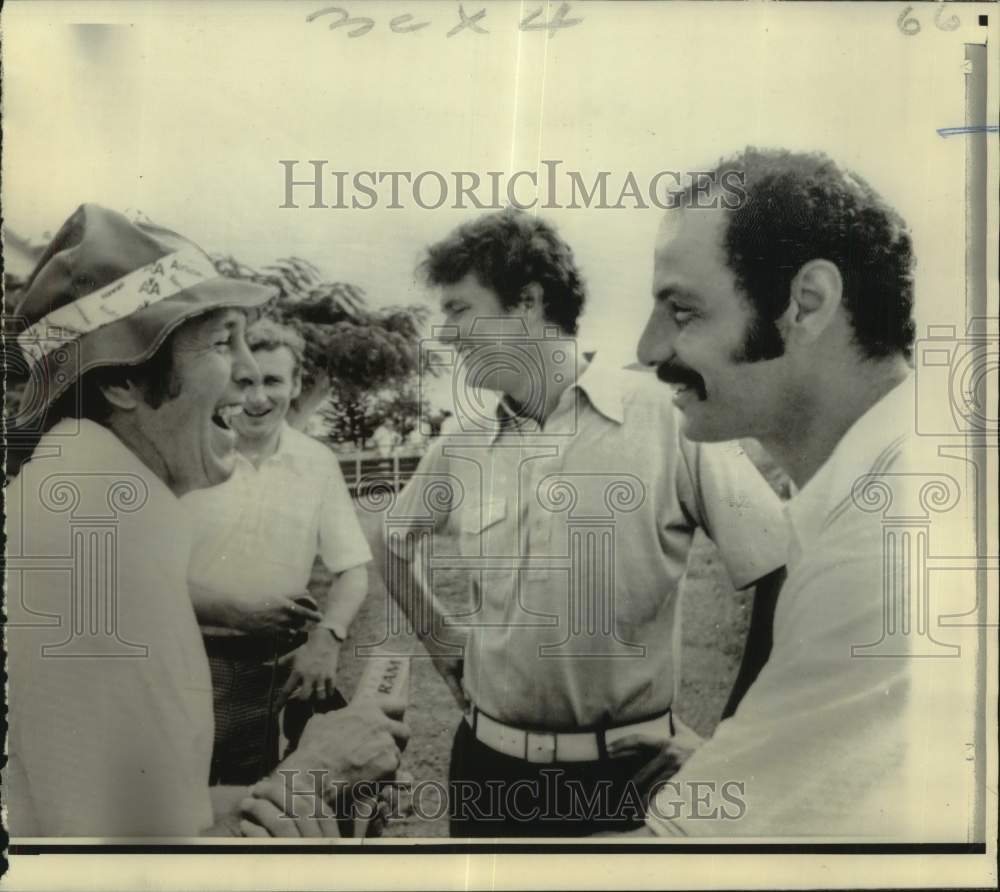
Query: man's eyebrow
[[674, 290]]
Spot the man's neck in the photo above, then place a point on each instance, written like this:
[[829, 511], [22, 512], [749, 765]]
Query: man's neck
[[258, 450], [815, 426], [123, 426], [557, 378]]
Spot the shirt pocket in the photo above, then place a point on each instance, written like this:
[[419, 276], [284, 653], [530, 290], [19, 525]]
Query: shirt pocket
[[481, 527]]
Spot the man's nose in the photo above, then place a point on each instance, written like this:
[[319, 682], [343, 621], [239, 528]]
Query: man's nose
[[245, 367], [656, 345], [253, 394]]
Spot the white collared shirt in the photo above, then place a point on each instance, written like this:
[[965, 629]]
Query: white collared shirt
[[110, 692], [259, 533], [855, 726], [575, 538]]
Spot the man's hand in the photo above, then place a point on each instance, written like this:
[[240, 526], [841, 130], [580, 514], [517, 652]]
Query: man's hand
[[337, 750], [448, 656], [314, 668], [276, 613], [665, 756], [350, 745], [261, 616], [260, 817]]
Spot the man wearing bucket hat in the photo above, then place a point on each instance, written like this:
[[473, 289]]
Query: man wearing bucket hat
[[135, 345]]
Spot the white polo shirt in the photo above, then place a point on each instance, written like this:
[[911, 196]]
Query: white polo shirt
[[858, 723], [259, 533], [110, 694], [575, 538]]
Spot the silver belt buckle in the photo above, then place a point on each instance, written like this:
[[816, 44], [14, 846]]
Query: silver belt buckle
[[539, 747]]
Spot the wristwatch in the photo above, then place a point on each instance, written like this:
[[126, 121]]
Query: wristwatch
[[338, 631]]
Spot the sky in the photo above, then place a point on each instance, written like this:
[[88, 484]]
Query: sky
[[184, 111]]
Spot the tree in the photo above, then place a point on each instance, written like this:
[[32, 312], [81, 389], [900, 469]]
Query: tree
[[353, 352], [351, 418], [403, 409]]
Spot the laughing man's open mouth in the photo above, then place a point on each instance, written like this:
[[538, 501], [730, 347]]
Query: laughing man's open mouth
[[224, 415]]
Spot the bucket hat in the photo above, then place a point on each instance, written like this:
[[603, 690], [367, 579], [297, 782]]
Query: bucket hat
[[107, 292]]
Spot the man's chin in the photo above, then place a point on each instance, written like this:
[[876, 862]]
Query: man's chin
[[699, 429], [221, 457], [252, 429], [221, 468]]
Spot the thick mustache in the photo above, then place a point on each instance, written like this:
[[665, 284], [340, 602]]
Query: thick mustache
[[671, 373]]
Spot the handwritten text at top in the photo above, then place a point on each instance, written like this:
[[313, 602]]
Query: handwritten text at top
[[357, 26]]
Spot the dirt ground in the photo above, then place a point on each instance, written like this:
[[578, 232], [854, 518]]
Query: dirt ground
[[715, 620]]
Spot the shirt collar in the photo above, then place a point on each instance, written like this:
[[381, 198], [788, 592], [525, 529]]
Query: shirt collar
[[864, 449], [284, 454], [605, 389], [601, 384]]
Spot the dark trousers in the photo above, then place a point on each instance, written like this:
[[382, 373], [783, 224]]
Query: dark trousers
[[491, 794], [245, 688]]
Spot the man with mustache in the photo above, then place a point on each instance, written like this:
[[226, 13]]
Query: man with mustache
[[574, 504], [789, 319], [137, 351]]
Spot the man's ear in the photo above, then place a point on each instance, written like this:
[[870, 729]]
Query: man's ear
[[531, 300], [125, 396], [817, 291], [297, 385]]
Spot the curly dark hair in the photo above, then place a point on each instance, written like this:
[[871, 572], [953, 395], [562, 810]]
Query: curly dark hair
[[804, 206], [507, 251]]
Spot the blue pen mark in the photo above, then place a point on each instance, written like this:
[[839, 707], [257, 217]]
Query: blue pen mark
[[971, 128]]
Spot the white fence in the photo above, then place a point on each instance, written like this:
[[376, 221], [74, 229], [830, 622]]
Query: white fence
[[369, 465]]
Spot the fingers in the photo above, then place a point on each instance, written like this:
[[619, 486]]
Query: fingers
[[624, 746], [309, 818], [294, 680], [307, 688], [268, 816], [399, 730], [300, 614], [636, 743], [306, 600], [659, 769], [369, 709]]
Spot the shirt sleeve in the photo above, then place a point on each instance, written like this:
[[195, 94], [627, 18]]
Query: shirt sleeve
[[342, 542], [425, 503], [729, 499]]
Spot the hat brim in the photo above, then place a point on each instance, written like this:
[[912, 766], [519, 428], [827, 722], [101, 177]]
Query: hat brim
[[129, 341]]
